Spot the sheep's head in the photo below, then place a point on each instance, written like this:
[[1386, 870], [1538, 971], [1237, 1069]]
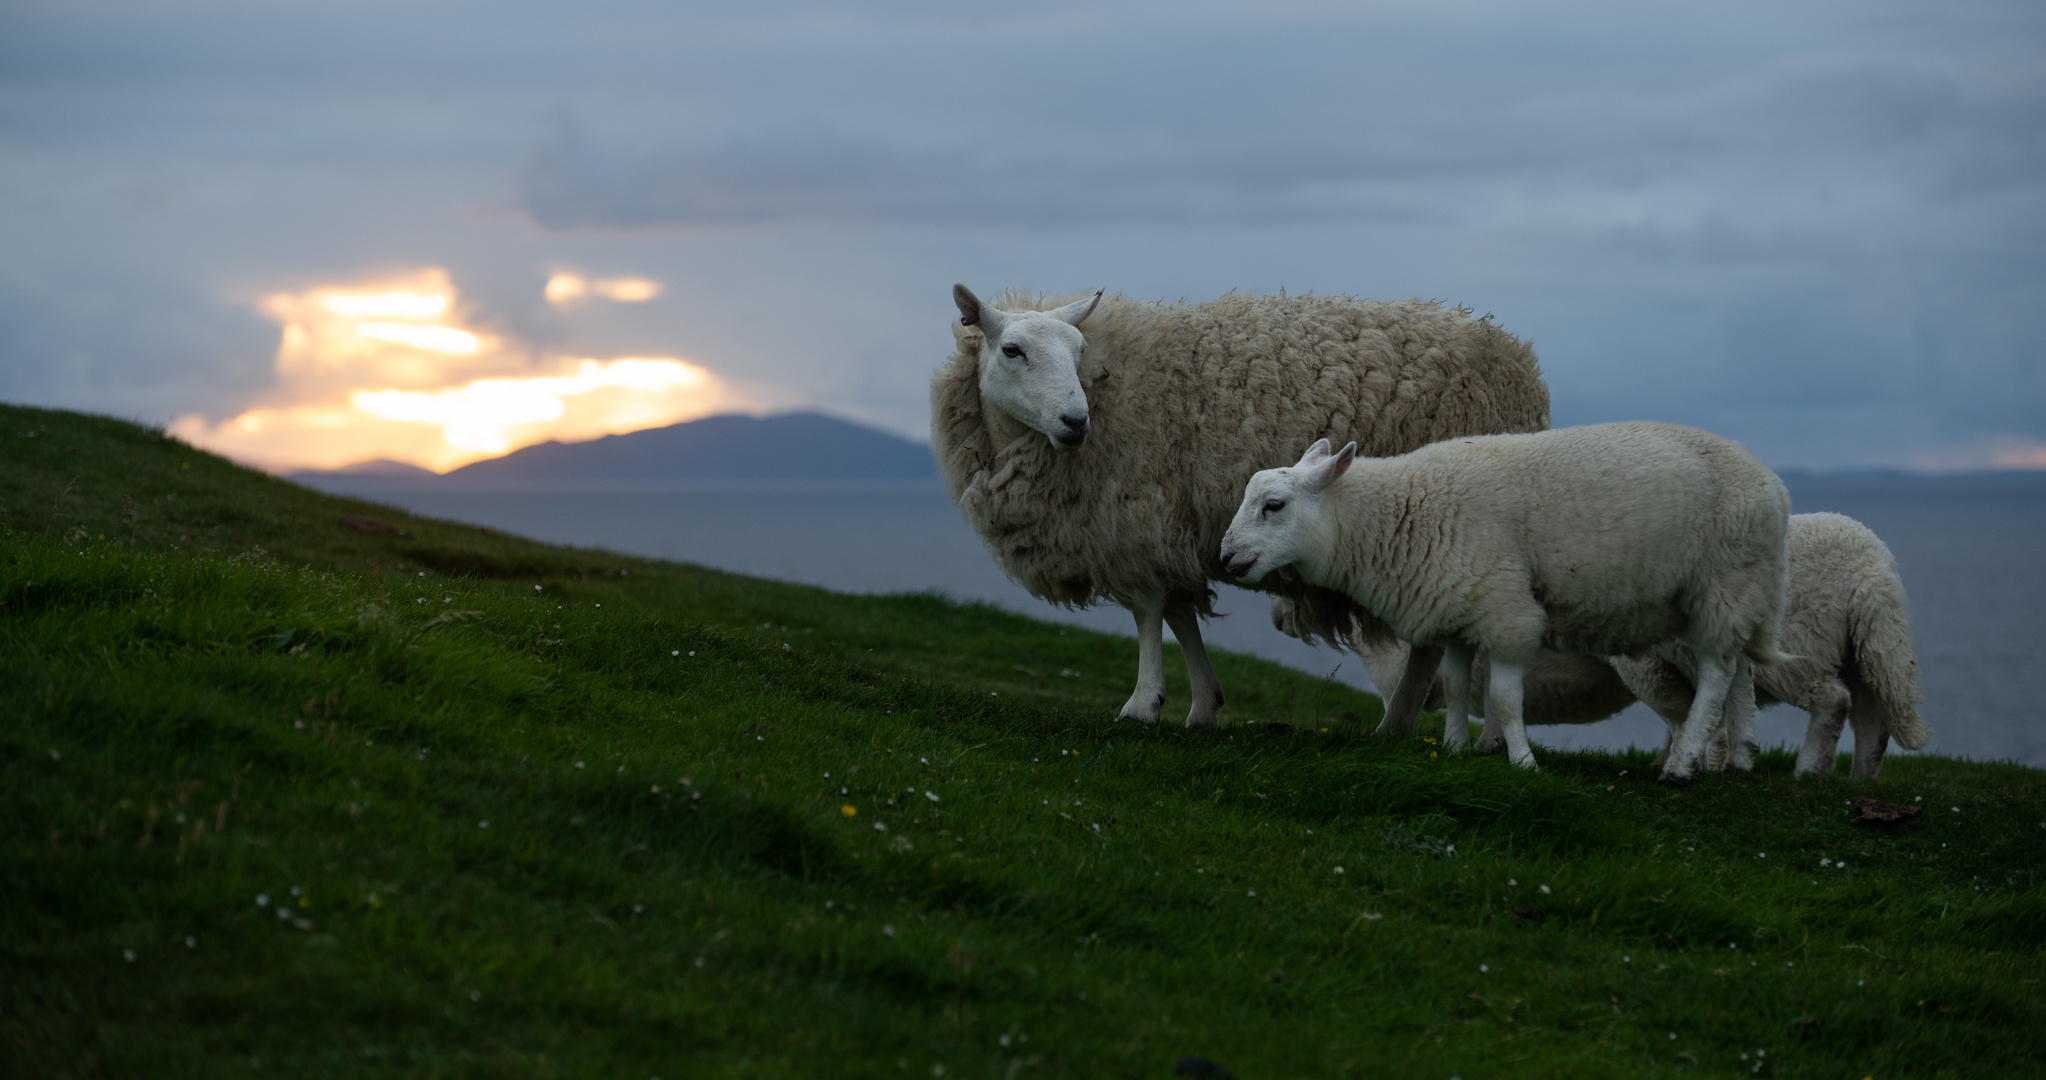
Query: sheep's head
[[1280, 520], [1030, 364]]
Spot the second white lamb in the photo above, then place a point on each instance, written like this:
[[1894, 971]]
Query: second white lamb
[[1601, 540]]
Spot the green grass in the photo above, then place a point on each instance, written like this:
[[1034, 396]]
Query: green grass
[[188, 723]]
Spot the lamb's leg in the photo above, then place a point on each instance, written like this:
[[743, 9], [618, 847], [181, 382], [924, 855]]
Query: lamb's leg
[[1715, 752], [1149, 696], [1715, 678], [1502, 707], [1456, 690], [1738, 714], [1669, 695], [1403, 708], [1871, 739], [1493, 735], [1828, 709], [1207, 690]]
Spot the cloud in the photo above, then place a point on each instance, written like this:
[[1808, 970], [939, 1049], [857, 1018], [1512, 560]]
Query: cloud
[[564, 288], [1815, 225], [1832, 138], [392, 370], [816, 174]]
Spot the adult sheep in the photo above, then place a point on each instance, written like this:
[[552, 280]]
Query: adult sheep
[[1847, 626], [1600, 540], [1099, 445]]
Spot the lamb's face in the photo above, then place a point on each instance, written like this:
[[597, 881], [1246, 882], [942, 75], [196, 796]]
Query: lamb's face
[[1279, 521], [1030, 365]]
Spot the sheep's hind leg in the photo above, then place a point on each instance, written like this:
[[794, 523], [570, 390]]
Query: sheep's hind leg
[[1200, 674], [1871, 740], [1687, 753], [1742, 744], [1456, 690], [1149, 695], [1828, 709], [1502, 706], [1403, 708]]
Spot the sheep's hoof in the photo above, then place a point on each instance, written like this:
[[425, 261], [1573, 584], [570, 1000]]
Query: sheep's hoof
[[1201, 722], [1134, 709]]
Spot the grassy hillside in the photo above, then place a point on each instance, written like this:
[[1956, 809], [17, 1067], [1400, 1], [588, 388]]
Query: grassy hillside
[[283, 797]]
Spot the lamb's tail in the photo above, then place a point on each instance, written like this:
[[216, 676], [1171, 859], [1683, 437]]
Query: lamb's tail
[[1879, 619], [1762, 648]]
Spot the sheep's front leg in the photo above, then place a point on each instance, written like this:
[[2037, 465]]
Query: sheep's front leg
[[1456, 691], [1403, 708], [1207, 690], [1828, 709], [1149, 695], [1502, 707], [1738, 714], [1715, 678]]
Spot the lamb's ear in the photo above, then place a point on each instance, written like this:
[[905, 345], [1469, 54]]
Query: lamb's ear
[[1344, 457], [1325, 472], [974, 313], [1314, 453], [1075, 313]]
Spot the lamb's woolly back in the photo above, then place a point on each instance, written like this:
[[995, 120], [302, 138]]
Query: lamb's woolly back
[[1481, 540], [1186, 401]]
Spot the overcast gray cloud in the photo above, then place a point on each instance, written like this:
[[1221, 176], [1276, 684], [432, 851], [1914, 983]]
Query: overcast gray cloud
[[1816, 227]]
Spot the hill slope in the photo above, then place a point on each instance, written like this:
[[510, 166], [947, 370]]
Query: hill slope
[[569, 813]]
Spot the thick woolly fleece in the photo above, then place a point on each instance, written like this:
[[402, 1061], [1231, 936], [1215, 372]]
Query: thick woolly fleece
[[1185, 402], [1600, 540], [1847, 627]]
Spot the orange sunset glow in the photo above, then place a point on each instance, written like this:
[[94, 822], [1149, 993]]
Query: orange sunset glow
[[393, 370]]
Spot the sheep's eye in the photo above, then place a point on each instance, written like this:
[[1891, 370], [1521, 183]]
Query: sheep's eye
[[1012, 350], [1273, 506]]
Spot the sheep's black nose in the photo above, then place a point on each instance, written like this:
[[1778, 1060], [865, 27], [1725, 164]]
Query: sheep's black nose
[[1073, 431]]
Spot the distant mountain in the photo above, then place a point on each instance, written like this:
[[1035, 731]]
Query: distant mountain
[[380, 469], [790, 447]]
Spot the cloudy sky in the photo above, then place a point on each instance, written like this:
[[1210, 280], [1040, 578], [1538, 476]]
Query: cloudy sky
[[310, 231]]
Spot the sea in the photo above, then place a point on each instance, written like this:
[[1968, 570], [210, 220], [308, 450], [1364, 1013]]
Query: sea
[[1972, 552]]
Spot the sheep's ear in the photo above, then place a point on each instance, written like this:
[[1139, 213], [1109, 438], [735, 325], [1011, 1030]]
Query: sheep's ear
[[1325, 471], [1075, 313], [974, 313], [1314, 453]]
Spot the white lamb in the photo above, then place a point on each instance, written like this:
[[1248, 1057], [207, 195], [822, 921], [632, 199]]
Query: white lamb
[[1601, 540], [1847, 627], [1105, 465]]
